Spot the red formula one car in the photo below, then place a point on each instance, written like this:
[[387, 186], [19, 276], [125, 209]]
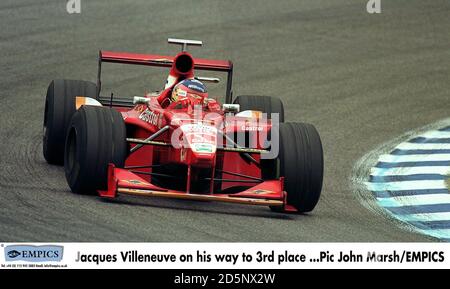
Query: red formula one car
[[180, 142]]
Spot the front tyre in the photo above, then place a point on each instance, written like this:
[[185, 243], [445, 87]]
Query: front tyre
[[96, 137], [300, 163]]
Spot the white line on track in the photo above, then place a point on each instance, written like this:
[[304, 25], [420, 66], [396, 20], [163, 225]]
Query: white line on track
[[423, 146], [414, 158], [426, 217], [417, 200], [436, 134], [437, 233], [404, 171], [407, 185]]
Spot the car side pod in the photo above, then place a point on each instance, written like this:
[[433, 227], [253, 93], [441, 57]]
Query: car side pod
[[122, 181]]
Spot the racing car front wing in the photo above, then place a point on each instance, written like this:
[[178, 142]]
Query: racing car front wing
[[121, 181]]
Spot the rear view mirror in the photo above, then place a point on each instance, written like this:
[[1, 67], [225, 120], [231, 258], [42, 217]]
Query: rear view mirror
[[140, 100], [228, 107], [208, 79]]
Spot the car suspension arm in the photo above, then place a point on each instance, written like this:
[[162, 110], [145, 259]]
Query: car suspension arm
[[244, 152], [147, 140]]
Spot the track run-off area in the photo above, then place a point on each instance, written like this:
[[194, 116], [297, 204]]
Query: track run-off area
[[411, 182]]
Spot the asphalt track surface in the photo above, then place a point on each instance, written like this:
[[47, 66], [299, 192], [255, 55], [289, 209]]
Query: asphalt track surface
[[361, 79]]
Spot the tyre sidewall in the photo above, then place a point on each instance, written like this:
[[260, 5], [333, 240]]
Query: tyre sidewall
[[301, 164], [101, 140]]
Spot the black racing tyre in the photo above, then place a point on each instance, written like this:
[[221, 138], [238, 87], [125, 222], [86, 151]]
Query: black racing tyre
[[96, 137], [59, 108], [300, 162], [267, 104]]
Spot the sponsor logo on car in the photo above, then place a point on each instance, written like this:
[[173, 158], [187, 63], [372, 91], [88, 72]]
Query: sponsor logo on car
[[150, 117], [199, 128], [203, 148], [261, 192], [251, 128], [135, 182], [140, 108]]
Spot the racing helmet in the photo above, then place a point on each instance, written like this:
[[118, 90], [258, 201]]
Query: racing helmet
[[189, 88]]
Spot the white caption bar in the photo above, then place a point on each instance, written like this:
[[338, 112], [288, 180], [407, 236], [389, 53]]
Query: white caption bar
[[238, 255]]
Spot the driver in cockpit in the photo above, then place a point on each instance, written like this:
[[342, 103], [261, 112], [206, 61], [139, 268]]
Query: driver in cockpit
[[191, 92], [189, 89]]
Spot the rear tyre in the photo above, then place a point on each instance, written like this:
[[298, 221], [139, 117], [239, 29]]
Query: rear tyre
[[300, 163], [60, 105], [96, 137], [267, 104]]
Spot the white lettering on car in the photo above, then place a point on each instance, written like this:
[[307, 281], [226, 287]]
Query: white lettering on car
[[150, 117]]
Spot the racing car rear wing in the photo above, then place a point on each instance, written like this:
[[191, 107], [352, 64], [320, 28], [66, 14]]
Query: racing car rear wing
[[165, 61]]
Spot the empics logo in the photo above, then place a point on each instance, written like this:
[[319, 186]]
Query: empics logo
[[13, 254], [33, 253]]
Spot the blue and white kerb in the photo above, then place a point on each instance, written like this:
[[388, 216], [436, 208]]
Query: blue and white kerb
[[412, 183]]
